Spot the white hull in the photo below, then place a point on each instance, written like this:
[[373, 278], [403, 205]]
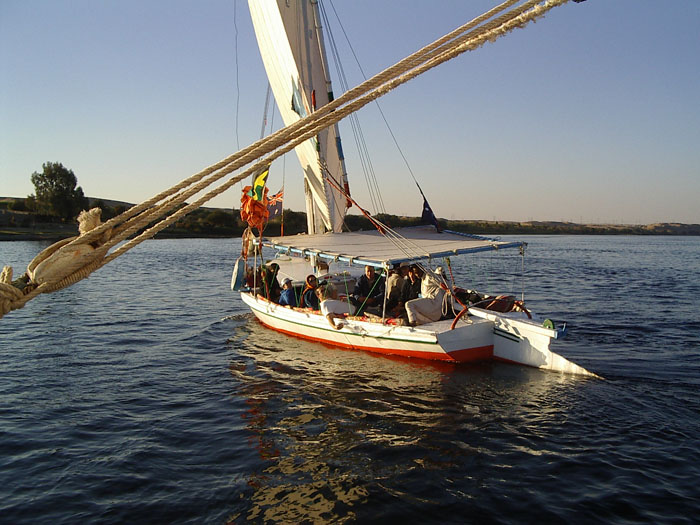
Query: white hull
[[484, 336]]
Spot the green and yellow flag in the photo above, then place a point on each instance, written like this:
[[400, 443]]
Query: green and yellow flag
[[259, 185]]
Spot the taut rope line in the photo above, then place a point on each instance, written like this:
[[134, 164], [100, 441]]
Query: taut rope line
[[320, 123], [247, 154], [88, 252]]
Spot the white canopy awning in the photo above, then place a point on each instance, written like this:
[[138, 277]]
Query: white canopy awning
[[373, 248]]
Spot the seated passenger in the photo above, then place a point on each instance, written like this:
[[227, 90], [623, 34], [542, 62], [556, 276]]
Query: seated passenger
[[252, 277], [428, 308], [411, 286], [395, 284], [270, 286], [410, 289], [369, 291], [308, 296], [331, 307], [288, 297]]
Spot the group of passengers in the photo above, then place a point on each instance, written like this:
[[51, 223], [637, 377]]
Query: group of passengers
[[412, 296], [324, 298]]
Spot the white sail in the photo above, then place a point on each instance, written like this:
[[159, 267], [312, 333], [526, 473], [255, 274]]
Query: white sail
[[291, 44]]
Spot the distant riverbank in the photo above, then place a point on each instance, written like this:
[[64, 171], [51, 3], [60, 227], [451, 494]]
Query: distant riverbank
[[54, 232], [18, 224]]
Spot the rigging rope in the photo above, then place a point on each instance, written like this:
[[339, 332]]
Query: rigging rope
[[238, 90], [374, 192], [90, 250]]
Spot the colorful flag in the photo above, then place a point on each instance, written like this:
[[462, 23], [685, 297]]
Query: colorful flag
[[258, 189], [274, 204]]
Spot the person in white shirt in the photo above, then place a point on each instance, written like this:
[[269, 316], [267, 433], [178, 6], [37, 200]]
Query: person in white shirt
[[428, 307], [331, 307]]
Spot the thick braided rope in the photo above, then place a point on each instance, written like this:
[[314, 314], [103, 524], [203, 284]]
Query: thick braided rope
[[282, 134], [268, 144], [10, 298], [322, 124], [273, 141], [282, 141], [147, 217], [318, 123], [458, 48]]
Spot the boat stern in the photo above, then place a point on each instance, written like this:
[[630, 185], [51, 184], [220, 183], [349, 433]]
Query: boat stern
[[526, 342]]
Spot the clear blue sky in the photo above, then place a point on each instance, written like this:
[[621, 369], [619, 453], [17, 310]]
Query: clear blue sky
[[591, 114]]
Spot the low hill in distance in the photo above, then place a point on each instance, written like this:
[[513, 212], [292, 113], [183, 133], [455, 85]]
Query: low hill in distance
[[16, 223]]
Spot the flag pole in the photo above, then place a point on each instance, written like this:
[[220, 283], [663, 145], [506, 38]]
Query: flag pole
[[284, 172]]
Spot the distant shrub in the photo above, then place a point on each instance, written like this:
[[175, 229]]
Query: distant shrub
[[17, 205]]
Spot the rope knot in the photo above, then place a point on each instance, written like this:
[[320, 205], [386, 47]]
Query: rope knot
[[68, 257], [61, 264]]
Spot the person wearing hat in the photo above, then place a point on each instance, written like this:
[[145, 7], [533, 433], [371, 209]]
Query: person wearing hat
[[287, 297]]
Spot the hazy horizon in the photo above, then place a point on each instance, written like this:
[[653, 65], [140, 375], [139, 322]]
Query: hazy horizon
[[354, 211]]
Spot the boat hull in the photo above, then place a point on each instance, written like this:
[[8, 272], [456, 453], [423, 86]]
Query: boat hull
[[468, 343], [483, 336], [526, 342]]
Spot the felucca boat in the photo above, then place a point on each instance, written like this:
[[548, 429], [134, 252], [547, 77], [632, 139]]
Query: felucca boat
[[291, 43]]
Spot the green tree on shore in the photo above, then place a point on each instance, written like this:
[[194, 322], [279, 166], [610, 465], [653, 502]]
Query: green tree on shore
[[57, 192]]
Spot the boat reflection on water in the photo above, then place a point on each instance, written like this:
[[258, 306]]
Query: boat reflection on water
[[335, 429]]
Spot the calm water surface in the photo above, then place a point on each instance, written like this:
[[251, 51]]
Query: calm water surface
[[147, 394]]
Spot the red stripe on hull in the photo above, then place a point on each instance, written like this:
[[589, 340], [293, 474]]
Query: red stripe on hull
[[468, 355]]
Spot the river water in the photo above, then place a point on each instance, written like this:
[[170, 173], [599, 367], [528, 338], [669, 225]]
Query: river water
[[147, 394]]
